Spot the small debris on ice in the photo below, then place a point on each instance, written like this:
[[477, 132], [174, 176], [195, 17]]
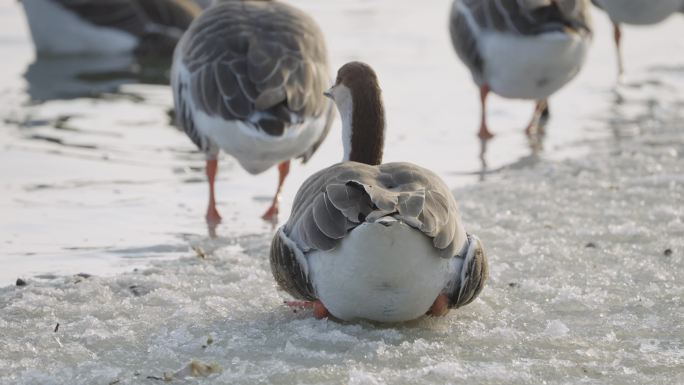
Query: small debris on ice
[[196, 369]]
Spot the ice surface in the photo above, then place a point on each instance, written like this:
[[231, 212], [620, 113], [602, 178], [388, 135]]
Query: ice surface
[[582, 290], [586, 253]]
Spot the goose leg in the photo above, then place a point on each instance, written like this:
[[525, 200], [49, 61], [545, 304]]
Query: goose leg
[[272, 212], [484, 133], [539, 109], [213, 218], [617, 34], [440, 307], [319, 310]]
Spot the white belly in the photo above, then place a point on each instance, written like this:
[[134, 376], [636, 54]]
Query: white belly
[[380, 273], [58, 31], [531, 67], [255, 150], [641, 12]]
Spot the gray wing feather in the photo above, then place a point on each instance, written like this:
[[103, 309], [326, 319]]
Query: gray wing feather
[[287, 271], [336, 200], [523, 17], [464, 30], [262, 62], [183, 112], [349, 200], [475, 275]]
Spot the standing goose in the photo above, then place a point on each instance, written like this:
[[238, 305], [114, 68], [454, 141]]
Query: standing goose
[[248, 78], [523, 49], [365, 240], [101, 27], [638, 12]]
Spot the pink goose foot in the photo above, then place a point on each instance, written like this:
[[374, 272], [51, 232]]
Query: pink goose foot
[[440, 307], [319, 310]]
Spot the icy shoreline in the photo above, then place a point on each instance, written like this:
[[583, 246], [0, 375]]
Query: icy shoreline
[[586, 286], [587, 277]]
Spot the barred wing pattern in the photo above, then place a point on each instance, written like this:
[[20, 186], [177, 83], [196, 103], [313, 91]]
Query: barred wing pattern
[[518, 17], [261, 62], [337, 199]]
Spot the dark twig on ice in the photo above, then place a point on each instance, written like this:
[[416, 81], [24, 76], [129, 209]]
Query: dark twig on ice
[[57, 327]]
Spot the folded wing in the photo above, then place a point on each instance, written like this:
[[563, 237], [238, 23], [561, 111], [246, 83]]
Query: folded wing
[[260, 62], [340, 198]]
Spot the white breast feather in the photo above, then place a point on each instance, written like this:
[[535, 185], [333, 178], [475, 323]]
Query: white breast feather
[[380, 273]]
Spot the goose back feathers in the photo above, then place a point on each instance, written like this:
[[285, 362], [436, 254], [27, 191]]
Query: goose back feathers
[[338, 199], [262, 62], [470, 19]]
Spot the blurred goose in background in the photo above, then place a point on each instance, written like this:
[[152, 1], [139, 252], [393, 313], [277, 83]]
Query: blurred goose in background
[[637, 12], [248, 78], [64, 77], [365, 240], [522, 49], [100, 27]]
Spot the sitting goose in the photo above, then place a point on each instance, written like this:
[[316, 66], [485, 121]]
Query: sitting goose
[[248, 78], [638, 12], [365, 240], [522, 49], [107, 27]]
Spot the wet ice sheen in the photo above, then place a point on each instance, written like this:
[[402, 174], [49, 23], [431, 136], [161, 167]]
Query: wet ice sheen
[[581, 291]]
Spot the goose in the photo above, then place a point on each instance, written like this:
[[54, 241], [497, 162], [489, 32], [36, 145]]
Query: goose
[[373, 241], [248, 78], [637, 12], [108, 27], [522, 49]]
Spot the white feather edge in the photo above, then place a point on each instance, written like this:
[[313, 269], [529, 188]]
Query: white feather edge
[[299, 255]]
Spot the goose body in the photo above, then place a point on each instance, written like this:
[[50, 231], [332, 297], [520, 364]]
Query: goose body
[[640, 12], [106, 27], [255, 149], [523, 49], [536, 67], [381, 242], [248, 78]]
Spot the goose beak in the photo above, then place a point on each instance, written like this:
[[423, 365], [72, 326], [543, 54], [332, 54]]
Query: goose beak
[[329, 93]]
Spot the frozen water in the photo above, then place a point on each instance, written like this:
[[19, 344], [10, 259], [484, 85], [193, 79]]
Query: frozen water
[[582, 290], [586, 252]]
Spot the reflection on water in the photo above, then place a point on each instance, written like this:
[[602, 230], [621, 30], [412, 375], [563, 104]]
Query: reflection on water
[[70, 77], [641, 102], [535, 141]]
